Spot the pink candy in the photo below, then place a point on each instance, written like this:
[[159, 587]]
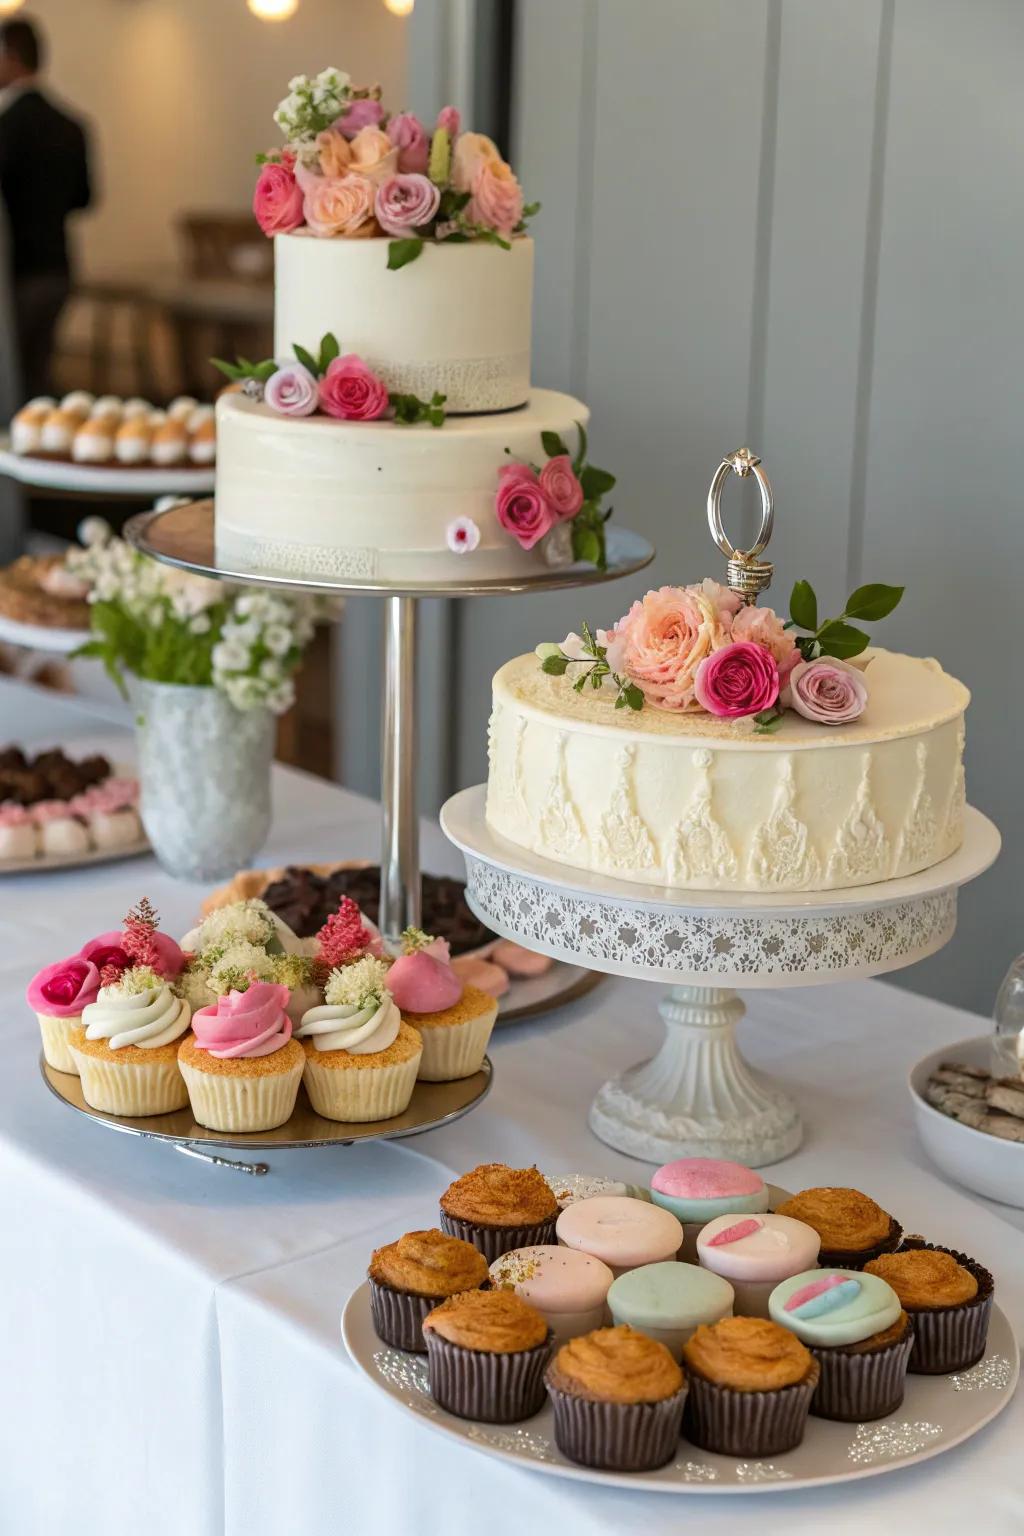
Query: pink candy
[[736, 1232], [807, 1293]]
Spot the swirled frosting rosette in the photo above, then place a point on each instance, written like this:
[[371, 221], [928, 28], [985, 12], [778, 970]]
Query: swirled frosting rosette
[[240, 1064], [126, 1045], [361, 1056]]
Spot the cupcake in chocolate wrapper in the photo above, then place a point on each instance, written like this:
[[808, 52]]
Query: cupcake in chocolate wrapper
[[852, 1227], [840, 1257], [498, 1208], [486, 1356], [948, 1295], [408, 1279], [617, 1397], [855, 1326], [751, 1383]]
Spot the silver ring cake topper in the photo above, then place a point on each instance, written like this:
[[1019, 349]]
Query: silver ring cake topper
[[747, 573]]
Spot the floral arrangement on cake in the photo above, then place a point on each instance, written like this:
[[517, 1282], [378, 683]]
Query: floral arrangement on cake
[[351, 170], [336, 384], [701, 648], [167, 625], [558, 502]]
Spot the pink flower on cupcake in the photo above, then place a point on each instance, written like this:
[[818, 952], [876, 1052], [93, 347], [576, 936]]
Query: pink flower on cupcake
[[562, 490], [244, 1024], [63, 989], [339, 205], [350, 391], [409, 137], [828, 691], [292, 391], [762, 626], [366, 112], [522, 508], [740, 679], [662, 640], [405, 203], [277, 200], [497, 200]]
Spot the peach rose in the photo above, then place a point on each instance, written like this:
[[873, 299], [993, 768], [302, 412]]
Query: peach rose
[[373, 154], [497, 201], [662, 641], [471, 151], [762, 626], [334, 153], [339, 205]]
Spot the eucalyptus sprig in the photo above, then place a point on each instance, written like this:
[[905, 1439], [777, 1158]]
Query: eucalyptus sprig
[[595, 668], [837, 637]]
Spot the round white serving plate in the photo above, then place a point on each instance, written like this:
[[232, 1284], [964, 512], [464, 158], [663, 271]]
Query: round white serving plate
[[938, 1412], [47, 863], [981, 1162], [105, 479], [42, 637]]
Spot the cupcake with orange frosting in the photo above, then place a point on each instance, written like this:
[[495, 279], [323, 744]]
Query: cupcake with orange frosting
[[751, 1384], [361, 1056], [947, 1295], [240, 1064], [408, 1278], [455, 1020], [618, 1399], [486, 1356], [853, 1228], [497, 1208]]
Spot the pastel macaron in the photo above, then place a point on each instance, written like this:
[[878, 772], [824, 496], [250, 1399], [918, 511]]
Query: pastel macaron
[[697, 1189], [568, 1288], [754, 1253], [829, 1307], [623, 1233], [668, 1301], [567, 1188]]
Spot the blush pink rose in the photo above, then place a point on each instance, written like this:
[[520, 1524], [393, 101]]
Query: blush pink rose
[[338, 205], [522, 508], [351, 392], [333, 152], [409, 137], [497, 200], [449, 119], [405, 203], [291, 391], [663, 639], [471, 151], [374, 155], [727, 602], [828, 690], [562, 490], [364, 113], [762, 626], [740, 679], [277, 200]]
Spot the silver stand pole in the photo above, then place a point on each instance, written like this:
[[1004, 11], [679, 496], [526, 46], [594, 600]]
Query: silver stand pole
[[400, 851]]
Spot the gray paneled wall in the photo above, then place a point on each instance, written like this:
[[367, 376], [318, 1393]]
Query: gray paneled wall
[[795, 223]]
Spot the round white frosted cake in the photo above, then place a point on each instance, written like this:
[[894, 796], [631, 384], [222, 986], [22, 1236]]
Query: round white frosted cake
[[372, 500], [456, 320], [695, 801]]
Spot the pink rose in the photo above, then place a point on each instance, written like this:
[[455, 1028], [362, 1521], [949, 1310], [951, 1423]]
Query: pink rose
[[374, 155], [338, 205], [114, 949], [409, 137], [364, 113], [470, 152], [562, 490], [762, 626], [350, 391], [291, 391], [277, 200], [449, 120], [497, 201], [828, 690], [62, 990], [662, 641], [522, 508], [738, 680], [405, 203], [333, 152], [725, 599]]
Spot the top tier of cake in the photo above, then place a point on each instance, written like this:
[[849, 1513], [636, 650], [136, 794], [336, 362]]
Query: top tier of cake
[[456, 320]]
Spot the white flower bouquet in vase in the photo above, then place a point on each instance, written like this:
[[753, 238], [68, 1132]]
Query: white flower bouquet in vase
[[209, 666]]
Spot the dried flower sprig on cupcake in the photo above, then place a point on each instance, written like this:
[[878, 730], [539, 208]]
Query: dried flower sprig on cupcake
[[701, 649], [558, 502], [339, 385], [350, 170]]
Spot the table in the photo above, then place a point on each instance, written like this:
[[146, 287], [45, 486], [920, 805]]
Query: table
[[170, 1334]]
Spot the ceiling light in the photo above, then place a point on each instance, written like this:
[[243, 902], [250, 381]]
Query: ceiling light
[[270, 10]]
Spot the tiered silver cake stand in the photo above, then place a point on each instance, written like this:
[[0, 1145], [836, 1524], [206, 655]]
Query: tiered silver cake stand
[[697, 1096]]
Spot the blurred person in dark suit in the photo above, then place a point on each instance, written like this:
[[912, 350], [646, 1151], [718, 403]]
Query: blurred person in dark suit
[[44, 176]]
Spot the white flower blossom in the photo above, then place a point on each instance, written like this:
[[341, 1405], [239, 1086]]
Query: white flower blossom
[[277, 639], [356, 985]]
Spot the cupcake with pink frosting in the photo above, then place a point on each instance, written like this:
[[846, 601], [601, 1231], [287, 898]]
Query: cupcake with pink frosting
[[698, 1189], [240, 1064], [454, 1018], [18, 836]]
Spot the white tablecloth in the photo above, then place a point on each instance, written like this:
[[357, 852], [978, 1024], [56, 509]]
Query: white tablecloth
[[170, 1358]]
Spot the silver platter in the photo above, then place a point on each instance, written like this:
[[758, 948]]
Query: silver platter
[[433, 1105], [183, 536], [938, 1412]]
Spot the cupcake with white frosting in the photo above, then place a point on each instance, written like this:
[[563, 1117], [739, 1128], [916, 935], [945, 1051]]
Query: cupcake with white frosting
[[361, 1056], [126, 1047], [240, 1065]]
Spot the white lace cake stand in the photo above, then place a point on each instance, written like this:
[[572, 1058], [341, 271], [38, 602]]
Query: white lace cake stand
[[697, 1096]]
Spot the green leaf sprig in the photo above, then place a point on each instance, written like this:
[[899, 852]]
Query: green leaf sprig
[[837, 637], [409, 409], [595, 669]]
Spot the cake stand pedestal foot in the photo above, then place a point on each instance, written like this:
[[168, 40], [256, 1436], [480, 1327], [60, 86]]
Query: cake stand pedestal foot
[[697, 1097]]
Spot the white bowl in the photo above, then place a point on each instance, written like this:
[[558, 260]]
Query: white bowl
[[984, 1163]]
